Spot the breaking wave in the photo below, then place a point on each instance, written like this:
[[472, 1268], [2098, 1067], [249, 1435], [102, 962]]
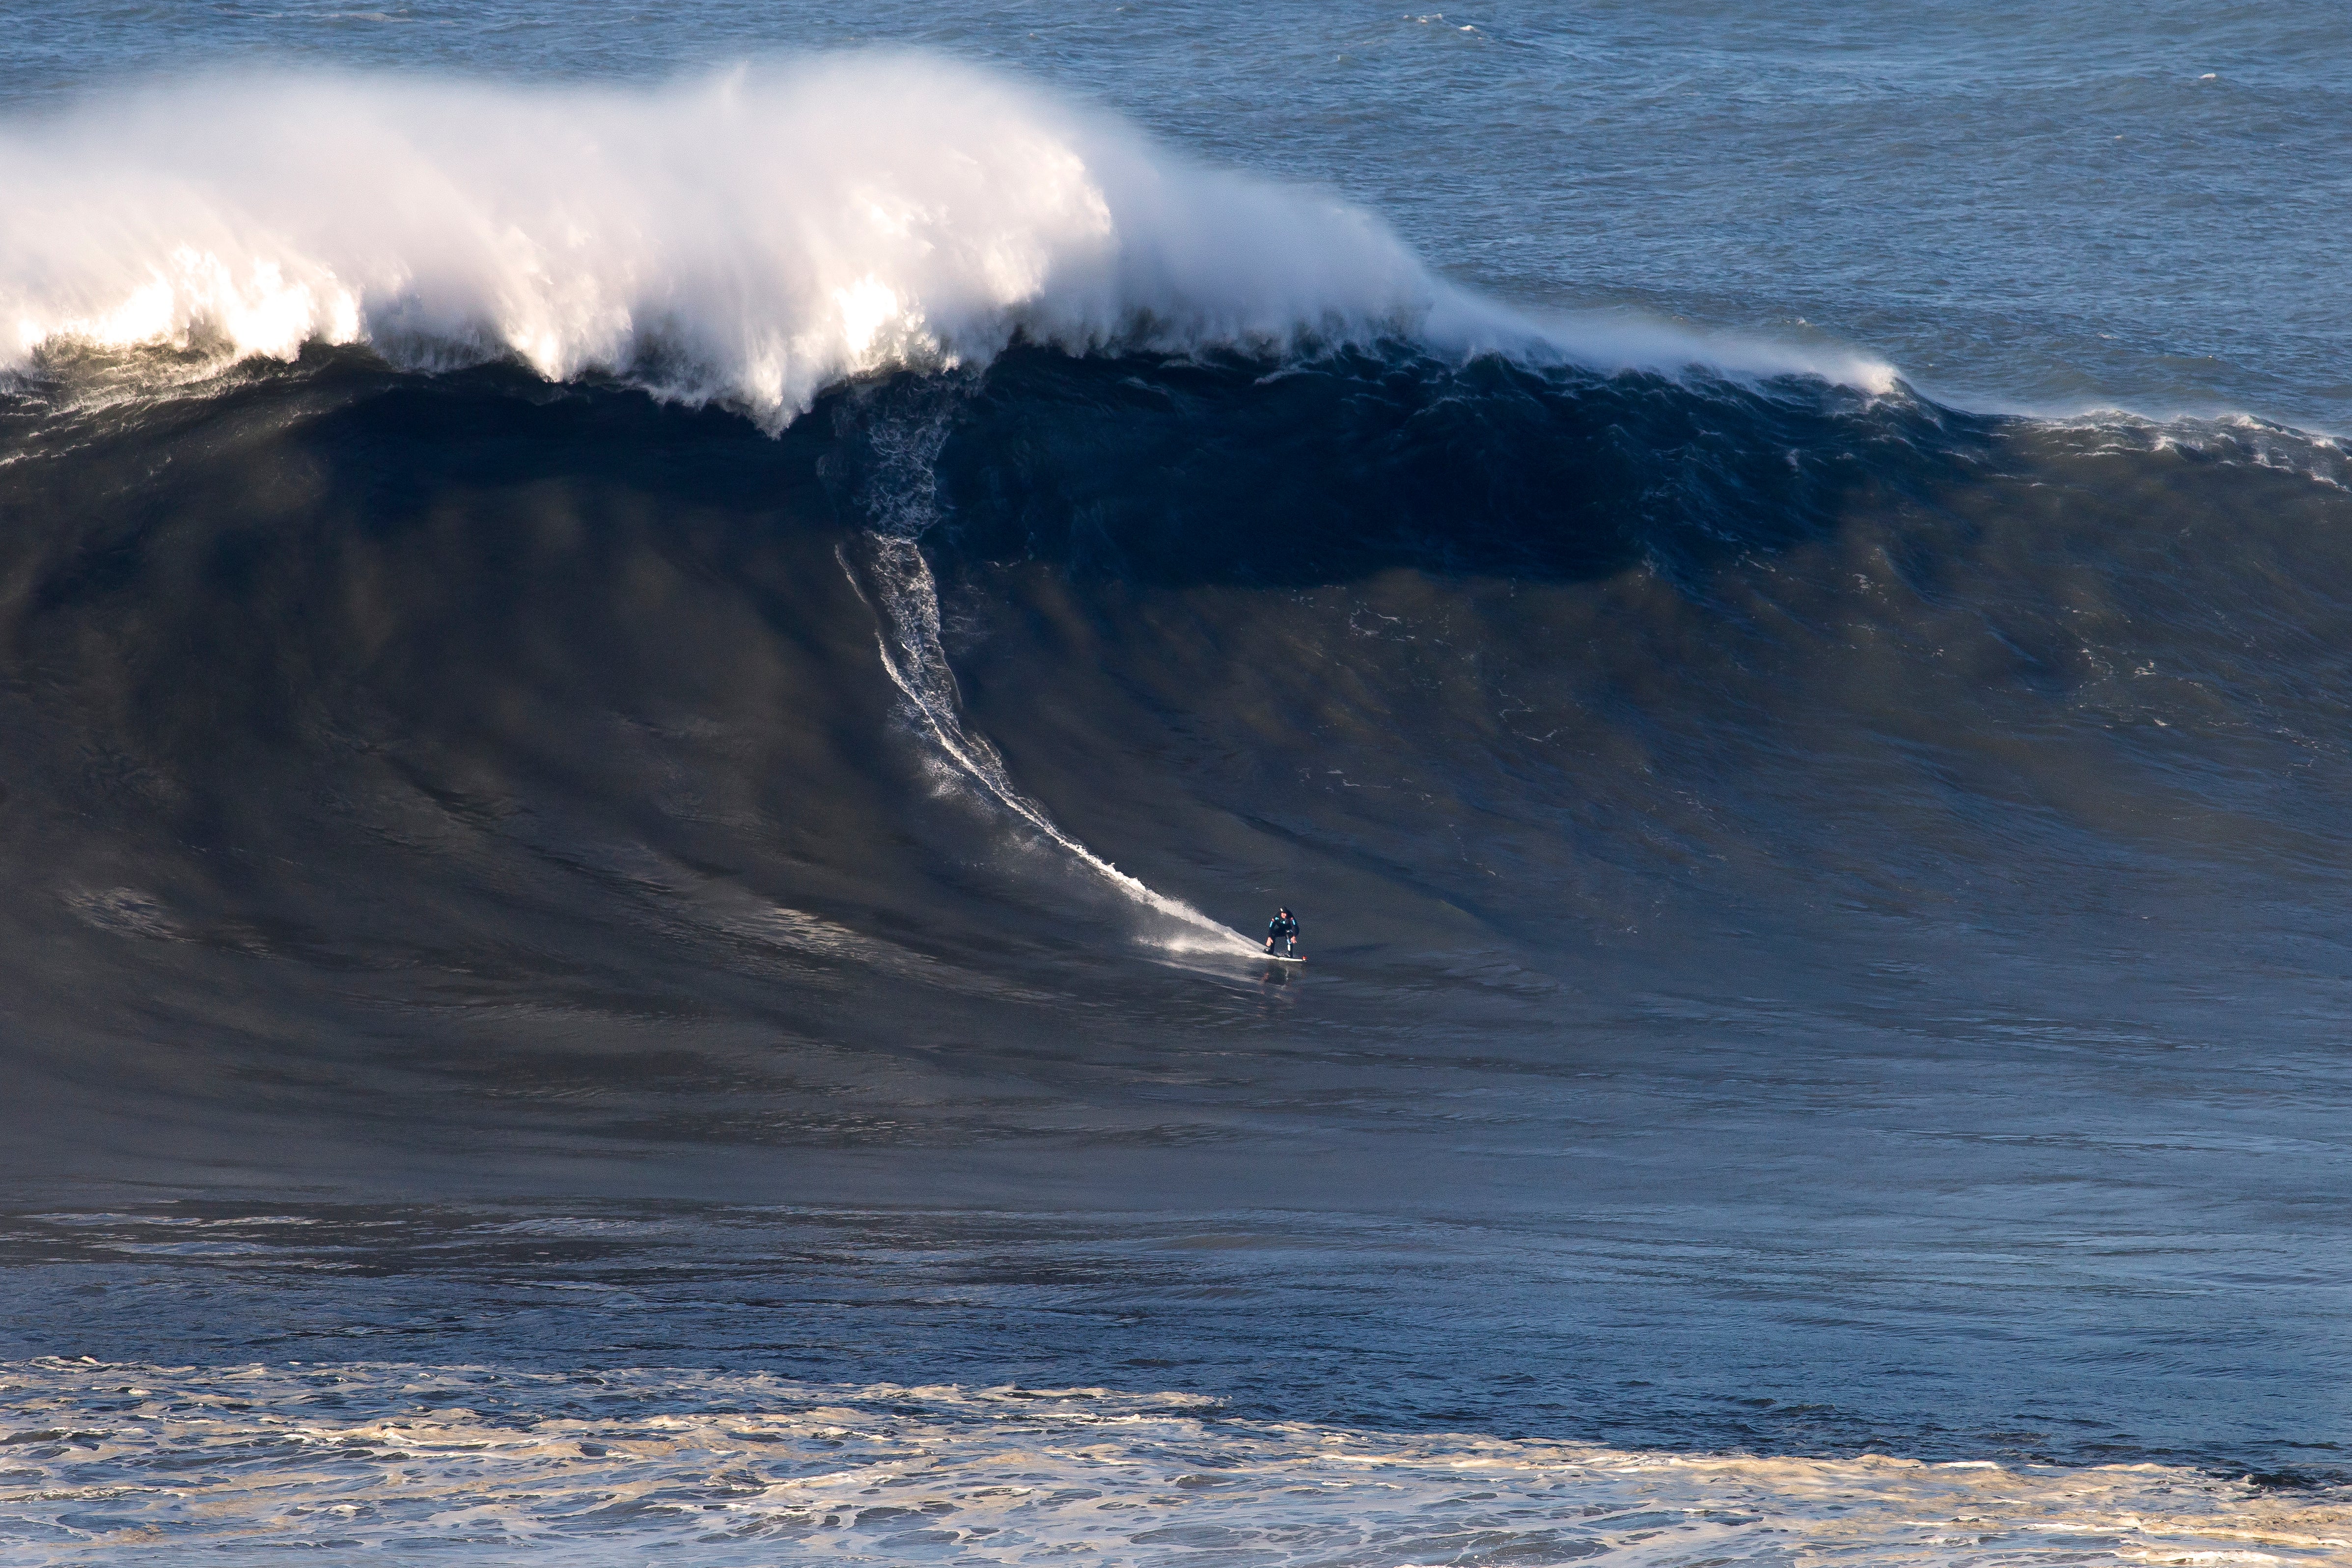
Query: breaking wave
[[749, 238]]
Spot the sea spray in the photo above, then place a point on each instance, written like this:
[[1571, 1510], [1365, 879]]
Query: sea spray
[[751, 238]]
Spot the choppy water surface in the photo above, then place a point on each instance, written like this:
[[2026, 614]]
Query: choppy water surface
[[512, 1385], [652, 682], [241, 1465]]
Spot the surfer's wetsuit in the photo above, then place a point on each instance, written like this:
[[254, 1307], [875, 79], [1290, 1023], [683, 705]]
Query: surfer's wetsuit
[[1281, 929]]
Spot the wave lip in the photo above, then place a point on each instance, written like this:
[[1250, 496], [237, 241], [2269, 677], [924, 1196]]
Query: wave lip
[[749, 238]]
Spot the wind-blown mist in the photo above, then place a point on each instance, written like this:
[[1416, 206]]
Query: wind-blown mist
[[749, 238]]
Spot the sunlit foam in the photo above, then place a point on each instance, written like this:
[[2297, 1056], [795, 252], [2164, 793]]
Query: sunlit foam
[[129, 1464], [751, 238]]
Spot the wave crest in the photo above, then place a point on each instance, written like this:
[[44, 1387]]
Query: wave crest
[[749, 238]]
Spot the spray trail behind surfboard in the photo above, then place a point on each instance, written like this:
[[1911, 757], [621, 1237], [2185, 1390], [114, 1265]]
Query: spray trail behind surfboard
[[887, 568]]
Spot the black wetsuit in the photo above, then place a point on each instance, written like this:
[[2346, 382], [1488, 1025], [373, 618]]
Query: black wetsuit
[[1282, 929]]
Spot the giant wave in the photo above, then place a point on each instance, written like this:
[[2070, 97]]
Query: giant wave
[[456, 781]]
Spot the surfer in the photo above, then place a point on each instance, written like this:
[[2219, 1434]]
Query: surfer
[[1282, 928]]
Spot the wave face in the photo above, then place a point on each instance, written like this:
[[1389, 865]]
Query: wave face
[[751, 238], [1538, 665]]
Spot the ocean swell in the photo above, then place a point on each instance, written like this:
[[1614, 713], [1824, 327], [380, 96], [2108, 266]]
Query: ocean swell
[[748, 238]]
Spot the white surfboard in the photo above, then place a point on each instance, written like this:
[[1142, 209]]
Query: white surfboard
[[1278, 958]]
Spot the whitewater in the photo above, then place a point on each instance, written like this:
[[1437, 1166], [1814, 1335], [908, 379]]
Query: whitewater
[[751, 238], [373, 1458]]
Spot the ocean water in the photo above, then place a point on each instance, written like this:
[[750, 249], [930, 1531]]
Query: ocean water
[[657, 667]]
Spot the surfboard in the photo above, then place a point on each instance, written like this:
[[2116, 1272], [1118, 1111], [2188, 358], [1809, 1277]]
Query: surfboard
[[1278, 958]]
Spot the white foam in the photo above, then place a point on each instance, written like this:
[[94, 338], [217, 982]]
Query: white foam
[[751, 238], [122, 1464]]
